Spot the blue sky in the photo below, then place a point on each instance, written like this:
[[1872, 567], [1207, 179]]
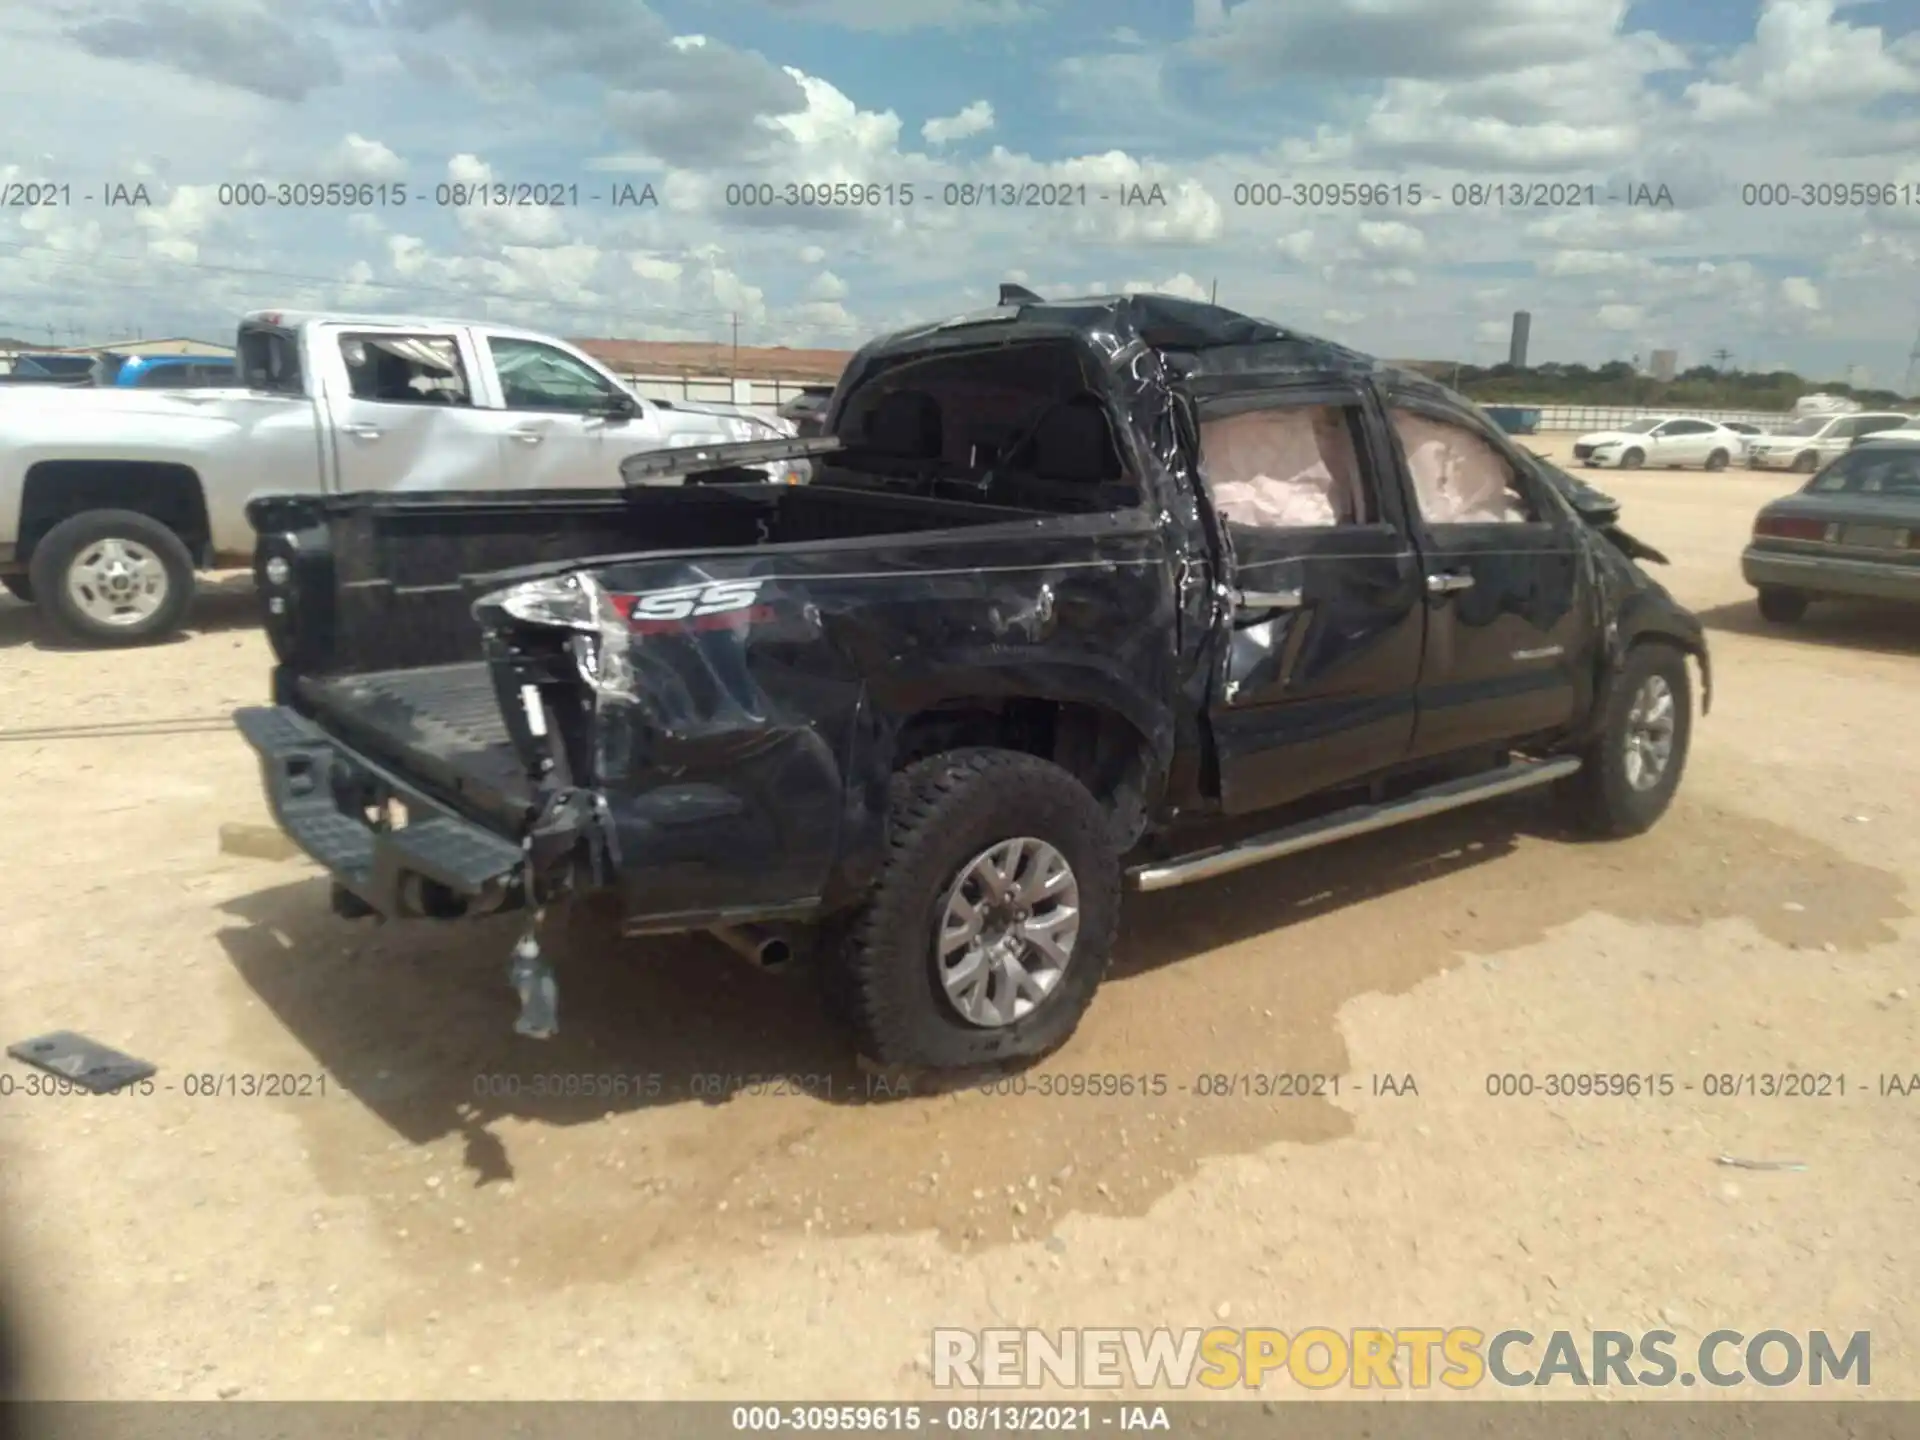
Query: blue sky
[[1464, 98]]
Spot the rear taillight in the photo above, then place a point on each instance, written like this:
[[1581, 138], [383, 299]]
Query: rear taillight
[[293, 572], [1788, 527]]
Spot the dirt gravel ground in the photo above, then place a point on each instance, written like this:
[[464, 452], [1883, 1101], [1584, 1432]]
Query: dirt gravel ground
[[429, 1226]]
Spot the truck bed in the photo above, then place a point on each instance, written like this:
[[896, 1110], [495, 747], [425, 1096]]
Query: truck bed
[[442, 722]]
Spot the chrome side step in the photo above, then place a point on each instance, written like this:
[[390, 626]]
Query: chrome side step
[[1357, 820]]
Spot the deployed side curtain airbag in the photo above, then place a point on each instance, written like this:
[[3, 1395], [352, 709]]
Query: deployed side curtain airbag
[[1282, 468], [1458, 478]]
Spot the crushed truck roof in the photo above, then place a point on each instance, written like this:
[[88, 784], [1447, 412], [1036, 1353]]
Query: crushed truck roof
[[1200, 341]]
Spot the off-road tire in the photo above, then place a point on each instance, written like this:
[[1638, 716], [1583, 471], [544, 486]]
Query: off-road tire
[[1599, 797], [1780, 605], [63, 544], [1718, 460], [944, 811], [1633, 459], [18, 586]]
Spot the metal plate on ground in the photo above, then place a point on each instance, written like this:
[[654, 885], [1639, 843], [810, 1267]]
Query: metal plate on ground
[[1877, 537], [87, 1063]]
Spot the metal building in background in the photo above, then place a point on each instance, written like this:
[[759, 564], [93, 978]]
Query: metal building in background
[[1517, 350], [1664, 364]]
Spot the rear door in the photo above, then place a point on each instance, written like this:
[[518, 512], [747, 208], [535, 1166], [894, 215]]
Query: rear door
[[1315, 683], [1685, 442], [1507, 626], [403, 411]]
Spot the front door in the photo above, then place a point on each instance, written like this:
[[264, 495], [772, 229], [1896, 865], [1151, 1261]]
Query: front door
[[559, 433], [403, 415], [1315, 683], [1682, 442], [1507, 624]]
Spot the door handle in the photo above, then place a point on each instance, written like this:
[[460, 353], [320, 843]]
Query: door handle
[[363, 432], [1268, 599], [1449, 581], [528, 437]]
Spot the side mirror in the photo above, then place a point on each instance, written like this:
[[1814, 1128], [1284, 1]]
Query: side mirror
[[620, 406]]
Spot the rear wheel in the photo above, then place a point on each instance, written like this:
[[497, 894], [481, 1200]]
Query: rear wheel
[[112, 577], [1782, 606], [1633, 460], [1717, 460], [992, 920], [1633, 766]]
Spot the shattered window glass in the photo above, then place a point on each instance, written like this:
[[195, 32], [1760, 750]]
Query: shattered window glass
[[1284, 468], [1458, 478], [538, 377], [405, 369]]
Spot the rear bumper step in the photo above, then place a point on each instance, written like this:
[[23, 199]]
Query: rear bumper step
[[319, 791], [1344, 824]]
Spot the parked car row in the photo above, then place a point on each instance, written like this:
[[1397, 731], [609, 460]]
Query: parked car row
[[1678, 441]]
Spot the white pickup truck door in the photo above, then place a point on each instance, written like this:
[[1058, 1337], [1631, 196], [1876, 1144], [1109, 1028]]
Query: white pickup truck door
[[558, 432], [403, 413]]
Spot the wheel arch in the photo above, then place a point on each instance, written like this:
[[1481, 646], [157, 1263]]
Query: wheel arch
[[164, 491], [1122, 758]]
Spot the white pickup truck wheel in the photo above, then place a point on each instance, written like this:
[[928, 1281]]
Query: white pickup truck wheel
[[112, 578]]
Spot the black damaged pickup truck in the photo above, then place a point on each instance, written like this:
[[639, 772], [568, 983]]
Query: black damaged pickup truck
[[1076, 588]]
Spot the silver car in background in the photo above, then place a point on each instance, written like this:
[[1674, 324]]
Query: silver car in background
[[1811, 441]]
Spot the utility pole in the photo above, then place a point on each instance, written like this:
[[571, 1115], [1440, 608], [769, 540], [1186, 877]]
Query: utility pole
[[1214, 299], [735, 377], [1721, 357], [1913, 369]]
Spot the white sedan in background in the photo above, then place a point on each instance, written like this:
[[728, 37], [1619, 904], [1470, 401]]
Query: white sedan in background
[[1662, 440]]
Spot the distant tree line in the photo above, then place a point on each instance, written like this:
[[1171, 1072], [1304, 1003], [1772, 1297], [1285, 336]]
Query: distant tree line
[[1618, 383]]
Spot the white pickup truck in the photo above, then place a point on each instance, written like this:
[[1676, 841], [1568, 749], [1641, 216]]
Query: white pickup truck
[[110, 499]]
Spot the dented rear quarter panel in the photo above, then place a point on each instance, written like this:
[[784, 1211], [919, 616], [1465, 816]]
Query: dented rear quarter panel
[[744, 755]]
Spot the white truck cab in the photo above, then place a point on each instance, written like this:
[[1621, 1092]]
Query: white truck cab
[[111, 498]]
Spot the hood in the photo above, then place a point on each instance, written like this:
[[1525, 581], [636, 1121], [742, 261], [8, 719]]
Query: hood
[[107, 399], [733, 420]]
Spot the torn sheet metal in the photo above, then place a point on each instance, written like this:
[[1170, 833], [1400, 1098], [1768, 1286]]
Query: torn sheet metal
[[746, 703]]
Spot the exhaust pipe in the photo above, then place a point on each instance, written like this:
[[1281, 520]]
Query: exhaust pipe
[[757, 945]]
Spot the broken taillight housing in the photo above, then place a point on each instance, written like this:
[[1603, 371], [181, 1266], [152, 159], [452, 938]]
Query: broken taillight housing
[[1788, 527], [573, 602]]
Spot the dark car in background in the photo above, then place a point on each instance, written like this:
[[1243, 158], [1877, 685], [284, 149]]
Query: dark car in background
[[1852, 531], [807, 411]]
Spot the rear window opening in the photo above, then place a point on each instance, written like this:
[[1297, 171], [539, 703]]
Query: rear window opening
[[269, 360], [1017, 426]]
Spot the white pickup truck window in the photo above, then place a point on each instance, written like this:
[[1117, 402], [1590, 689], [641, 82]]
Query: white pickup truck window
[[405, 370], [539, 377]]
